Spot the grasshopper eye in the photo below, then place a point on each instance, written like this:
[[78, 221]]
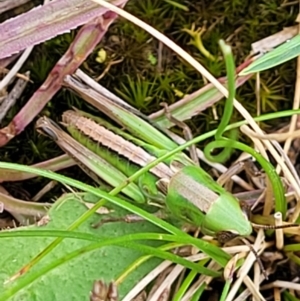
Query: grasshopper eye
[[225, 236], [246, 210]]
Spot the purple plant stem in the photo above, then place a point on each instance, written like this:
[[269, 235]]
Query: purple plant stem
[[45, 22], [8, 60], [10, 4], [87, 38]]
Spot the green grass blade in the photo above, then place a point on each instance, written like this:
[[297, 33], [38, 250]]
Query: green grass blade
[[289, 297], [193, 104], [187, 282], [275, 57], [199, 292]]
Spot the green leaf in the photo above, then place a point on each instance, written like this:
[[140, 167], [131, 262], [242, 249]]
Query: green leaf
[[275, 57], [73, 279]]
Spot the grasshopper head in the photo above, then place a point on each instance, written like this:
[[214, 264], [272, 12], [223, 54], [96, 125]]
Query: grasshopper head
[[226, 219]]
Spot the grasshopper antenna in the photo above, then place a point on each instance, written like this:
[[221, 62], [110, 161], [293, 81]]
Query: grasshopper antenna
[[245, 241], [274, 227]]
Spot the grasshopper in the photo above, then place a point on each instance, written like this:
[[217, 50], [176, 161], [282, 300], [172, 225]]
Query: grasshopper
[[190, 194]]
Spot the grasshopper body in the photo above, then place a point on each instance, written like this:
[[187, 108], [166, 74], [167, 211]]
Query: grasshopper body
[[190, 194]]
